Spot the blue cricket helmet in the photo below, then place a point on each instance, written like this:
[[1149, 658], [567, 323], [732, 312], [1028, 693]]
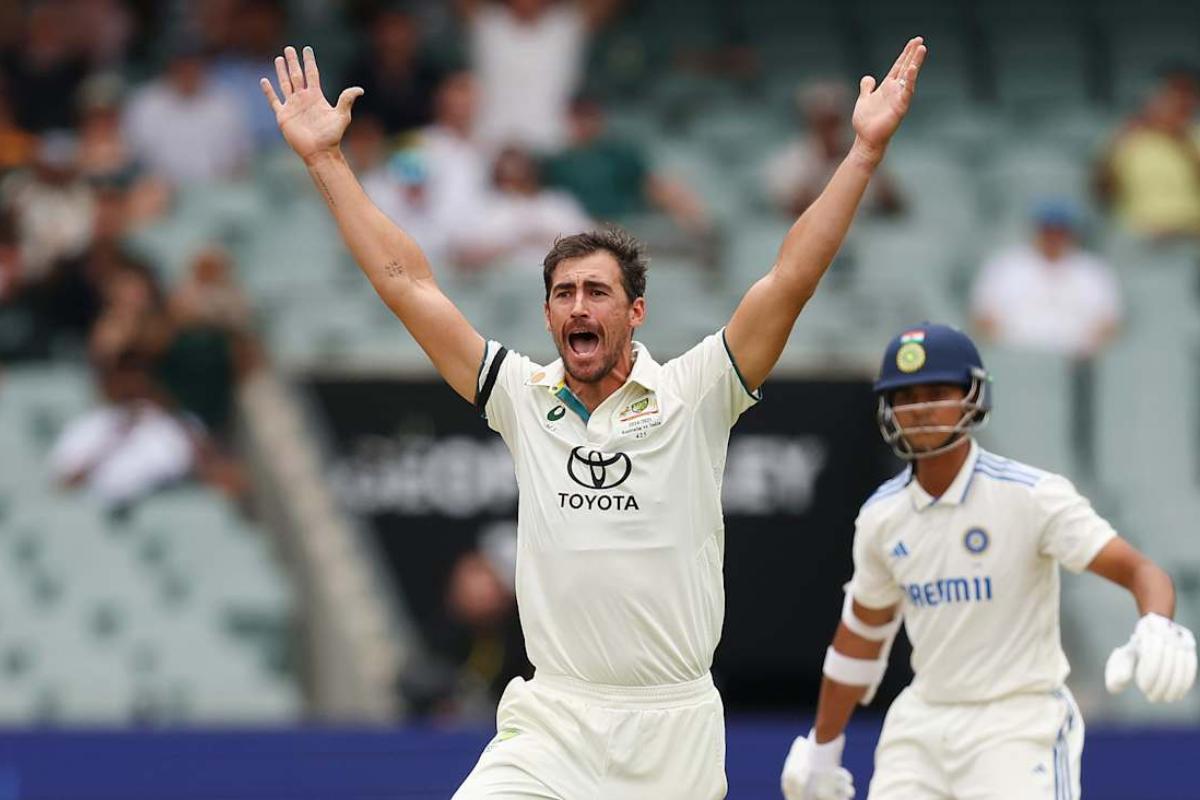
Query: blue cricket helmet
[[930, 353]]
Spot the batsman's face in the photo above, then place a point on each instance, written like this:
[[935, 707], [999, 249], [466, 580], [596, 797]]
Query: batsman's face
[[590, 316], [928, 412]]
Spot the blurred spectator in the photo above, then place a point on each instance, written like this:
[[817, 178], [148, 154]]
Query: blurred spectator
[[130, 446], [17, 145], [183, 127], [10, 258], [611, 177], [441, 176], [521, 219], [397, 79], [458, 168], [529, 57], [1151, 173], [1051, 295], [106, 31], [45, 71], [254, 42], [212, 345], [795, 175], [105, 156], [133, 319], [51, 205], [65, 302], [401, 187]]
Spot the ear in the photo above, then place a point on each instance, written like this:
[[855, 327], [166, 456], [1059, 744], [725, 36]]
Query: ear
[[546, 313], [637, 312]]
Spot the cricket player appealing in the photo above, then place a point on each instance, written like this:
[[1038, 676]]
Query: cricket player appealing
[[619, 460], [965, 547]]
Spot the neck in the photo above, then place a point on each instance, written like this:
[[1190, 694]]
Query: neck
[[593, 393], [936, 473]]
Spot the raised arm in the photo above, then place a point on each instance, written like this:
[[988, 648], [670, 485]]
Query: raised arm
[[760, 326], [389, 257]]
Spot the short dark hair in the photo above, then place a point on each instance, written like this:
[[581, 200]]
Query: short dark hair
[[618, 243]]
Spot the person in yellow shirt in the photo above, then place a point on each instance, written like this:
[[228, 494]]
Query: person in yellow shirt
[[1150, 175]]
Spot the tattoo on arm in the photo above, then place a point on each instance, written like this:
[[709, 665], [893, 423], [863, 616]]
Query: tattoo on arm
[[325, 190], [393, 269]]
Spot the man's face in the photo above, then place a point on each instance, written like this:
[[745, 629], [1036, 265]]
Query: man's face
[[589, 315], [1054, 241], [943, 416]]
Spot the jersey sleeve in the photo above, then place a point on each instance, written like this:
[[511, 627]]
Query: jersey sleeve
[[502, 373], [872, 584], [1072, 532], [708, 377]]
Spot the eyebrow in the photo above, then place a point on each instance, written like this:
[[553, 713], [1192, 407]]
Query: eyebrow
[[588, 284]]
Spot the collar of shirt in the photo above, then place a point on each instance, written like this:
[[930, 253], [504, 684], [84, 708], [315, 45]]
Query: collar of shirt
[[645, 373], [955, 494]]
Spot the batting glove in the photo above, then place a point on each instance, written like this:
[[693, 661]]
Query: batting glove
[[1161, 656], [814, 771]]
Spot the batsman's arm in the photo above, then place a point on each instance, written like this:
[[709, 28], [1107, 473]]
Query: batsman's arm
[[388, 256], [1150, 585], [760, 326], [837, 700]]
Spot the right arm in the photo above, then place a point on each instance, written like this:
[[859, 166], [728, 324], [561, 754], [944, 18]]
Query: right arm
[[837, 700], [388, 256]]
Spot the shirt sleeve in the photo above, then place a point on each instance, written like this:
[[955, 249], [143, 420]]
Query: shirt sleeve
[[1072, 533], [708, 377], [502, 373], [872, 584]]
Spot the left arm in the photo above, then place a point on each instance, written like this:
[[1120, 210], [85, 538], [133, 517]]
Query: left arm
[[1161, 655], [1151, 587], [760, 326]]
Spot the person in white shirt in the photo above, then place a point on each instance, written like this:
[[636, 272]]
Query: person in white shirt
[[184, 128], [964, 547], [619, 460], [1050, 295], [529, 57], [127, 448], [520, 219], [793, 176]]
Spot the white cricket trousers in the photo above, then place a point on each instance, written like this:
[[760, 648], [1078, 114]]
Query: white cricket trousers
[[1025, 746], [559, 738]]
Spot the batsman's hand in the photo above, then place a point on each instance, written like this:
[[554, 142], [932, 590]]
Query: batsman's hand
[[309, 124], [1161, 657], [879, 109], [814, 771]]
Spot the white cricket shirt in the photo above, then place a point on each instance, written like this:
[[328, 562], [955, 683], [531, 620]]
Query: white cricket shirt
[[976, 572], [620, 534]]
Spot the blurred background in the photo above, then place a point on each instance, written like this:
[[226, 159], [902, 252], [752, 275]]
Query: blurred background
[[250, 546]]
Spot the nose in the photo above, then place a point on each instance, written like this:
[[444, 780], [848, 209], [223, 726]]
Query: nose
[[578, 309]]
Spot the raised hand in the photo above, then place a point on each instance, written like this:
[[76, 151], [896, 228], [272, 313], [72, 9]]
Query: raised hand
[[309, 124], [879, 110]]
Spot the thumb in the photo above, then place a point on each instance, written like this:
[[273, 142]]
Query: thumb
[[1118, 671], [347, 98], [866, 86]]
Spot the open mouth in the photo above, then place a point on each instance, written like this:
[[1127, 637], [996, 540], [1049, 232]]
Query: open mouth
[[583, 343]]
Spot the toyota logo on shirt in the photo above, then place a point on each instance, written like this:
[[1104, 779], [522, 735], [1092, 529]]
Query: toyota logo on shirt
[[593, 469]]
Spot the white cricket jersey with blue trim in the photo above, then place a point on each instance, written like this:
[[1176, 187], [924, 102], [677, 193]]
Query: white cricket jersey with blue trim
[[976, 574], [620, 533]]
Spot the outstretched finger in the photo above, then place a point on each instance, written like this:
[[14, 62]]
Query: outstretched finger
[[347, 97], [294, 71], [269, 91], [901, 60], [914, 68], [285, 83], [311, 75]]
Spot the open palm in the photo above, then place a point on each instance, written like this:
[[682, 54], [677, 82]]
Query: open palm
[[878, 112], [308, 123]]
